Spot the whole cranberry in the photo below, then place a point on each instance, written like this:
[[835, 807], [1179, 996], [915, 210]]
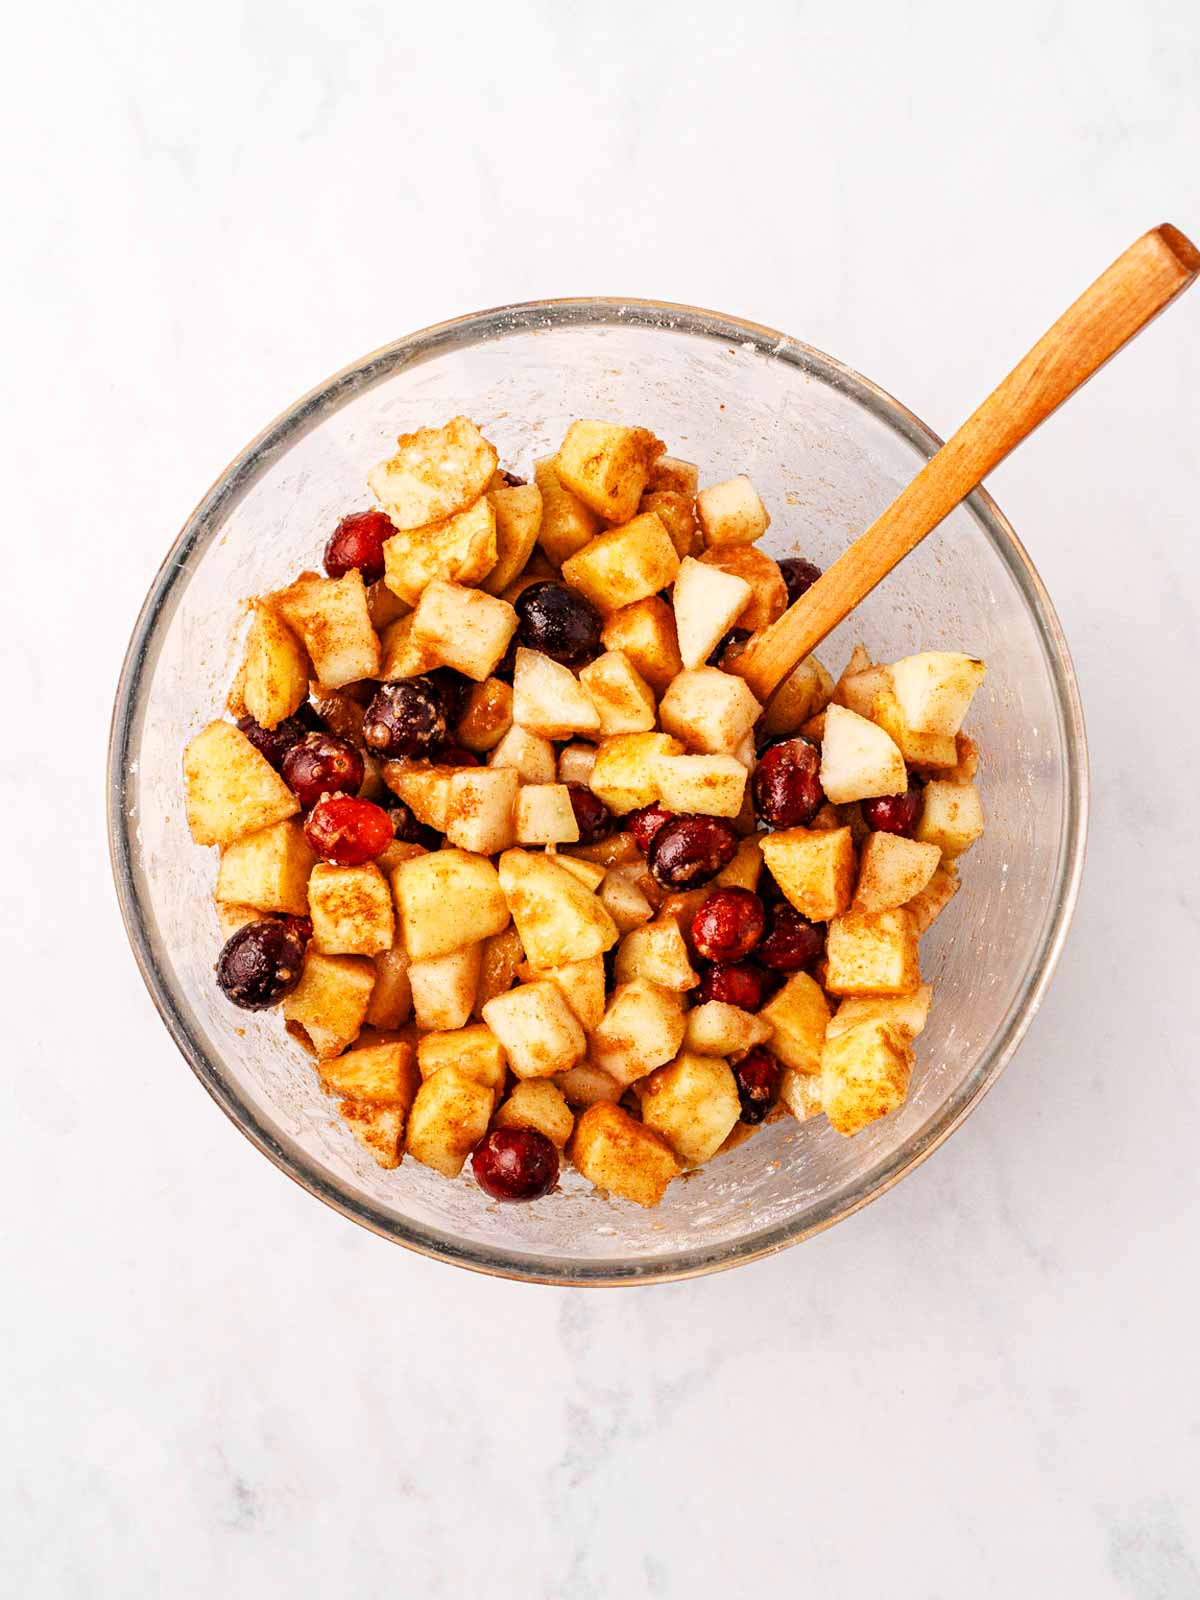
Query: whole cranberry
[[734, 636], [322, 764], [896, 813], [408, 830], [728, 925], [791, 940], [454, 688], [347, 832], [301, 926], [737, 983], [787, 784], [594, 818], [260, 963], [357, 541], [688, 851], [757, 1074], [515, 1164], [453, 754], [560, 622], [798, 576], [274, 743], [644, 824], [406, 718]]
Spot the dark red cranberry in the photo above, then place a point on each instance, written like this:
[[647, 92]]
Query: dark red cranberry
[[321, 764], [734, 636], [689, 851], [347, 832], [357, 541], [408, 830], [896, 813], [798, 576], [560, 622], [515, 1164], [511, 481], [405, 719], [644, 824], [453, 754], [791, 941], [301, 926], [454, 688], [728, 925], [260, 963], [595, 820], [737, 983], [507, 663], [787, 784], [757, 1074], [274, 743]]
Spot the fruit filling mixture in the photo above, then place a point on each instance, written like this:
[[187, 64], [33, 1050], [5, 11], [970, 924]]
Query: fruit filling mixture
[[528, 870]]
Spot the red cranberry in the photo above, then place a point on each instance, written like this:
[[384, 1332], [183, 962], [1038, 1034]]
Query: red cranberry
[[787, 784], [595, 820], [274, 743], [405, 719], [757, 1074], [728, 925], [734, 636], [689, 851], [453, 754], [357, 541], [260, 963], [791, 941], [515, 1164], [301, 926], [560, 622], [798, 577], [737, 983], [644, 824], [321, 764], [896, 813], [348, 832]]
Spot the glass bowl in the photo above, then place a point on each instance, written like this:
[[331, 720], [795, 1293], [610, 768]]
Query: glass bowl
[[827, 450]]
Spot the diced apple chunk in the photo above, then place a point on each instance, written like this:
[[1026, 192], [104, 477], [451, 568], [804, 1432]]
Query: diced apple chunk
[[351, 910], [447, 899], [586, 1085], [537, 1103], [799, 1016], [935, 688], [800, 1093], [918, 749], [464, 628], [768, 592], [575, 763], [379, 1070], [530, 755], [925, 908], [474, 1051], [732, 513], [803, 694], [460, 549], [744, 871], [892, 869], [952, 817], [719, 1029], [274, 675], [623, 897], [643, 1028], [865, 1074], [480, 809], [502, 957], [544, 815], [582, 984], [590, 873], [567, 524], [557, 918], [709, 710], [332, 618], [402, 655], [706, 602], [518, 513], [677, 514], [625, 774], [268, 869], [677, 476], [693, 1102], [657, 952], [872, 953], [607, 466], [230, 789], [379, 1129], [857, 692], [449, 1117], [907, 1013], [623, 700], [814, 867], [626, 564], [443, 988], [713, 786], [549, 699], [434, 473], [424, 789], [327, 1008], [859, 761], [645, 632], [540, 1033], [620, 1155], [391, 998]]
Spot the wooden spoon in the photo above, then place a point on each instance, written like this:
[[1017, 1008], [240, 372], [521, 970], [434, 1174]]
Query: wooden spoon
[[1120, 303]]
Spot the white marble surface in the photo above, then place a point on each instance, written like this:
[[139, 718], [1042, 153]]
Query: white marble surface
[[987, 1383]]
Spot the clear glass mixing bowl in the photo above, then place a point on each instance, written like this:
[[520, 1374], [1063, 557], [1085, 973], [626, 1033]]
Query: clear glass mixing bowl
[[827, 451]]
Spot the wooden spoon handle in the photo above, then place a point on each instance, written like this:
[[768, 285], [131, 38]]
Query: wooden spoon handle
[[1137, 286]]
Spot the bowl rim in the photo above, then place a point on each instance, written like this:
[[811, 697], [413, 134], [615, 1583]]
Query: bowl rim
[[298, 420]]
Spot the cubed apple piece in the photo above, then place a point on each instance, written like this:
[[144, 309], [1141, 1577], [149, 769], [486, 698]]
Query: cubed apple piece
[[625, 564], [706, 602], [383, 606], [459, 549], [621, 1156], [530, 755], [447, 899], [567, 523], [549, 699], [434, 473], [800, 1093], [590, 873], [859, 761], [464, 628], [503, 955], [332, 618], [624, 701], [518, 513], [537, 1103], [872, 952], [732, 513], [744, 871], [607, 466], [474, 1051], [677, 513], [351, 910], [710, 710], [865, 1074], [575, 763], [391, 998], [673, 474], [966, 761], [379, 1129], [935, 688], [693, 1103], [327, 1008], [907, 1013], [645, 632], [268, 869], [657, 952], [449, 1117], [857, 691], [379, 1069], [643, 1028], [443, 988], [544, 814], [712, 786], [936, 750], [586, 1085], [798, 1015], [486, 715], [402, 656], [951, 818], [540, 1033], [719, 1029], [556, 916], [815, 868], [768, 592], [892, 869], [682, 909], [274, 676], [925, 908], [480, 809], [803, 694], [625, 774], [582, 984], [230, 789], [623, 897], [424, 789]]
